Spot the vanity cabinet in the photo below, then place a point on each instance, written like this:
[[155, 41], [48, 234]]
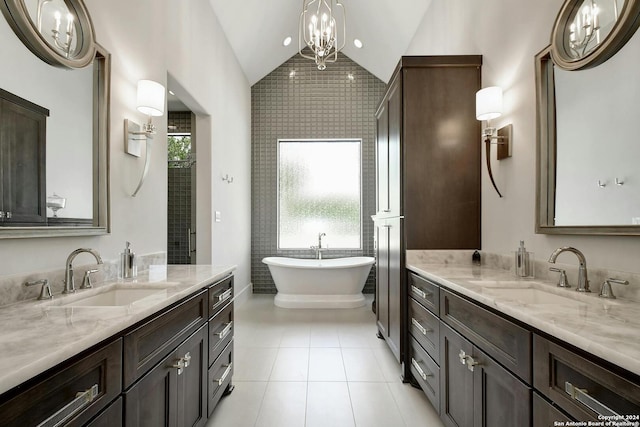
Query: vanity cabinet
[[69, 395], [169, 369], [582, 387], [22, 161], [419, 205]]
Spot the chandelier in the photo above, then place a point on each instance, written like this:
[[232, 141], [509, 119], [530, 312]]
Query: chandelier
[[322, 30]]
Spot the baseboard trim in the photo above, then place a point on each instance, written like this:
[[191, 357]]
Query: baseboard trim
[[242, 295]]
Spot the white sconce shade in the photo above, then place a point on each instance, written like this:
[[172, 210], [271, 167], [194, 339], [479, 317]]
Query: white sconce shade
[[150, 98], [489, 103]]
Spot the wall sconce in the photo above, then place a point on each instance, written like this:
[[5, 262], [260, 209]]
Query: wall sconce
[[488, 107], [150, 101]]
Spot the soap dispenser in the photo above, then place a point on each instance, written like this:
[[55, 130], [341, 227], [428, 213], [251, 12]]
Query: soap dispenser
[[523, 262], [128, 265]]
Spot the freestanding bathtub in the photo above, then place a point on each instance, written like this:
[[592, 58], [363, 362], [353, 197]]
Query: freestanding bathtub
[[313, 283]]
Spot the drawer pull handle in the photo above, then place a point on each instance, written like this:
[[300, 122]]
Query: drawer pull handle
[[420, 327], [225, 375], [416, 365], [225, 331], [582, 396], [72, 408], [420, 292], [179, 365], [223, 296]]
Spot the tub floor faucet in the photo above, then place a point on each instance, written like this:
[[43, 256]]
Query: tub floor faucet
[[583, 280], [69, 283], [319, 248]]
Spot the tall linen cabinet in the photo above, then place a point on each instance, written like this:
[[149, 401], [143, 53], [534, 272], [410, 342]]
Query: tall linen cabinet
[[428, 175]]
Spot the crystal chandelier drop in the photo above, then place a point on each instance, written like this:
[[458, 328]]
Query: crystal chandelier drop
[[322, 30]]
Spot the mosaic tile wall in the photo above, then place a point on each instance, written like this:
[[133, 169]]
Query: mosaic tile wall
[[179, 122], [298, 101]]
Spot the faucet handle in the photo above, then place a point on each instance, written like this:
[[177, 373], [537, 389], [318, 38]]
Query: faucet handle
[[606, 291], [563, 282], [45, 291], [86, 281]]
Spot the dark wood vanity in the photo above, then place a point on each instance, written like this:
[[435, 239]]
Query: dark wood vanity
[[480, 367], [169, 369]]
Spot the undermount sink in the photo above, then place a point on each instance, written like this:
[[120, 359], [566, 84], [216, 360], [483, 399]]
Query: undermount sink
[[531, 296], [496, 283], [118, 297]]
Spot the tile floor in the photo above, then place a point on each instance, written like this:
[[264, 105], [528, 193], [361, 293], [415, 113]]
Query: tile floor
[[322, 368]]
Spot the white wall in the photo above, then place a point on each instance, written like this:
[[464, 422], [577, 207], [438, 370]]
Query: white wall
[[151, 39], [509, 34]]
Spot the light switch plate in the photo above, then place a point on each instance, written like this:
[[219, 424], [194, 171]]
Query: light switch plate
[[218, 216]]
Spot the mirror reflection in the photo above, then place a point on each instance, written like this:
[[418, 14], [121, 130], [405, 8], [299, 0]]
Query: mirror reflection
[[590, 23], [56, 23], [597, 177]]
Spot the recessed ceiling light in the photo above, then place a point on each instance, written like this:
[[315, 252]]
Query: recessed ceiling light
[[286, 41], [171, 93], [357, 43]]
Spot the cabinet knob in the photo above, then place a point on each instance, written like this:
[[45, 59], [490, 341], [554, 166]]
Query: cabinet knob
[[187, 359], [2, 214], [179, 365], [9, 215]]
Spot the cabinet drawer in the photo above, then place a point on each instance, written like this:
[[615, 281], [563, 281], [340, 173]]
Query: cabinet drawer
[[99, 373], [148, 344], [110, 417], [503, 340], [425, 292], [545, 414], [426, 372], [220, 375], [220, 293], [558, 370], [220, 332], [425, 328]]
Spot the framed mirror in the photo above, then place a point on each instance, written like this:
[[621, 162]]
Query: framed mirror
[[77, 140], [588, 181], [59, 32], [589, 32]]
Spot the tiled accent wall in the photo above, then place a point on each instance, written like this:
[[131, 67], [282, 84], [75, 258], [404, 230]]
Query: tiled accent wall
[[181, 120], [298, 101], [178, 215]]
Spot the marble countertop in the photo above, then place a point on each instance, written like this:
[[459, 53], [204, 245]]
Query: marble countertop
[[609, 329], [38, 335]]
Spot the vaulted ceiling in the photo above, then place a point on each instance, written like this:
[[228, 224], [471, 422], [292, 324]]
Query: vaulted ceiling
[[257, 28]]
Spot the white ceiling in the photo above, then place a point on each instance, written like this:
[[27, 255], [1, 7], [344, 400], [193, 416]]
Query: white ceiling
[[256, 29]]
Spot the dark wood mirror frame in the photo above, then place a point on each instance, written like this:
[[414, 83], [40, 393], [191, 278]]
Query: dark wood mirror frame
[[622, 30]]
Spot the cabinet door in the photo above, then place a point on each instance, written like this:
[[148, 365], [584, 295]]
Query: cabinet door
[[382, 278], [22, 149], [382, 161], [192, 383], [110, 417], [153, 400], [456, 380], [395, 138], [500, 399]]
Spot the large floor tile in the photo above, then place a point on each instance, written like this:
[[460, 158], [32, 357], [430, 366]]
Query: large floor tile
[[325, 364], [284, 404], [389, 365], [374, 406], [253, 364], [415, 408], [329, 404], [240, 408], [324, 335], [360, 365], [295, 336], [292, 364]]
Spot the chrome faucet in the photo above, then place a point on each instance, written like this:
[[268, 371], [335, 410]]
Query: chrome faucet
[[319, 248], [583, 280], [69, 283]]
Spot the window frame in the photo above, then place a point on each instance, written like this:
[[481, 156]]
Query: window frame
[[316, 140]]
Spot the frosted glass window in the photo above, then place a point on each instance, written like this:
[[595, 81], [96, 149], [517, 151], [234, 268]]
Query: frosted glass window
[[319, 191]]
